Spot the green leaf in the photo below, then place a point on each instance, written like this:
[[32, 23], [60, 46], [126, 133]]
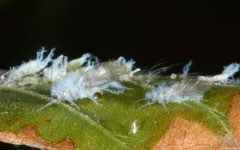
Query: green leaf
[[108, 126]]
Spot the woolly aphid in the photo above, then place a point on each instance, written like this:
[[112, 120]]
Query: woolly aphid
[[86, 82], [175, 93], [82, 82], [31, 67], [227, 73], [74, 86]]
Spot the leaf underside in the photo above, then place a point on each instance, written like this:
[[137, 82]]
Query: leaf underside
[[106, 126]]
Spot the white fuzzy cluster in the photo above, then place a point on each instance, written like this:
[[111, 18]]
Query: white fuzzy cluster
[[227, 73], [85, 81], [31, 67], [85, 77], [74, 86], [176, 93], [80, 78]]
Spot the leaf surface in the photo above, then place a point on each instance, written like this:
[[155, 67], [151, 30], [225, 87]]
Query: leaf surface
[[108, 126]]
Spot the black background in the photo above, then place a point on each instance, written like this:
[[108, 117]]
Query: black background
[[146, 31]]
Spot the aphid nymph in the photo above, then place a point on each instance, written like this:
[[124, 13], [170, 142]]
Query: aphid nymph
[[85, 83], [175, 93], [31, 67], [227, 73]]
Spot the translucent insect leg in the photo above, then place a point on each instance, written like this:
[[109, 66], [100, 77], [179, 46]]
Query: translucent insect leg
[[149, 103], [48, 104], [139, 101], [180, 100], [72, 103], [165, 107], [114, 91], [184, 103]]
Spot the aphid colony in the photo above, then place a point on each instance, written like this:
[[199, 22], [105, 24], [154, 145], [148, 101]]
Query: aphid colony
[[86, 76], [77, 79]]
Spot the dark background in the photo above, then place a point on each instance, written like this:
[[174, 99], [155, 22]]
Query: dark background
[[147, 31]]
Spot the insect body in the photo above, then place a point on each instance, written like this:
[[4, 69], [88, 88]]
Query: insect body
[[176, 93], [29, 68], [227, 73], [85, 82]]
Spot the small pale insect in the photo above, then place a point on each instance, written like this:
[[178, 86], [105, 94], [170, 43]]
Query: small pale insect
[[85, 83], [175, 93], [227, 73], [31, 67]]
